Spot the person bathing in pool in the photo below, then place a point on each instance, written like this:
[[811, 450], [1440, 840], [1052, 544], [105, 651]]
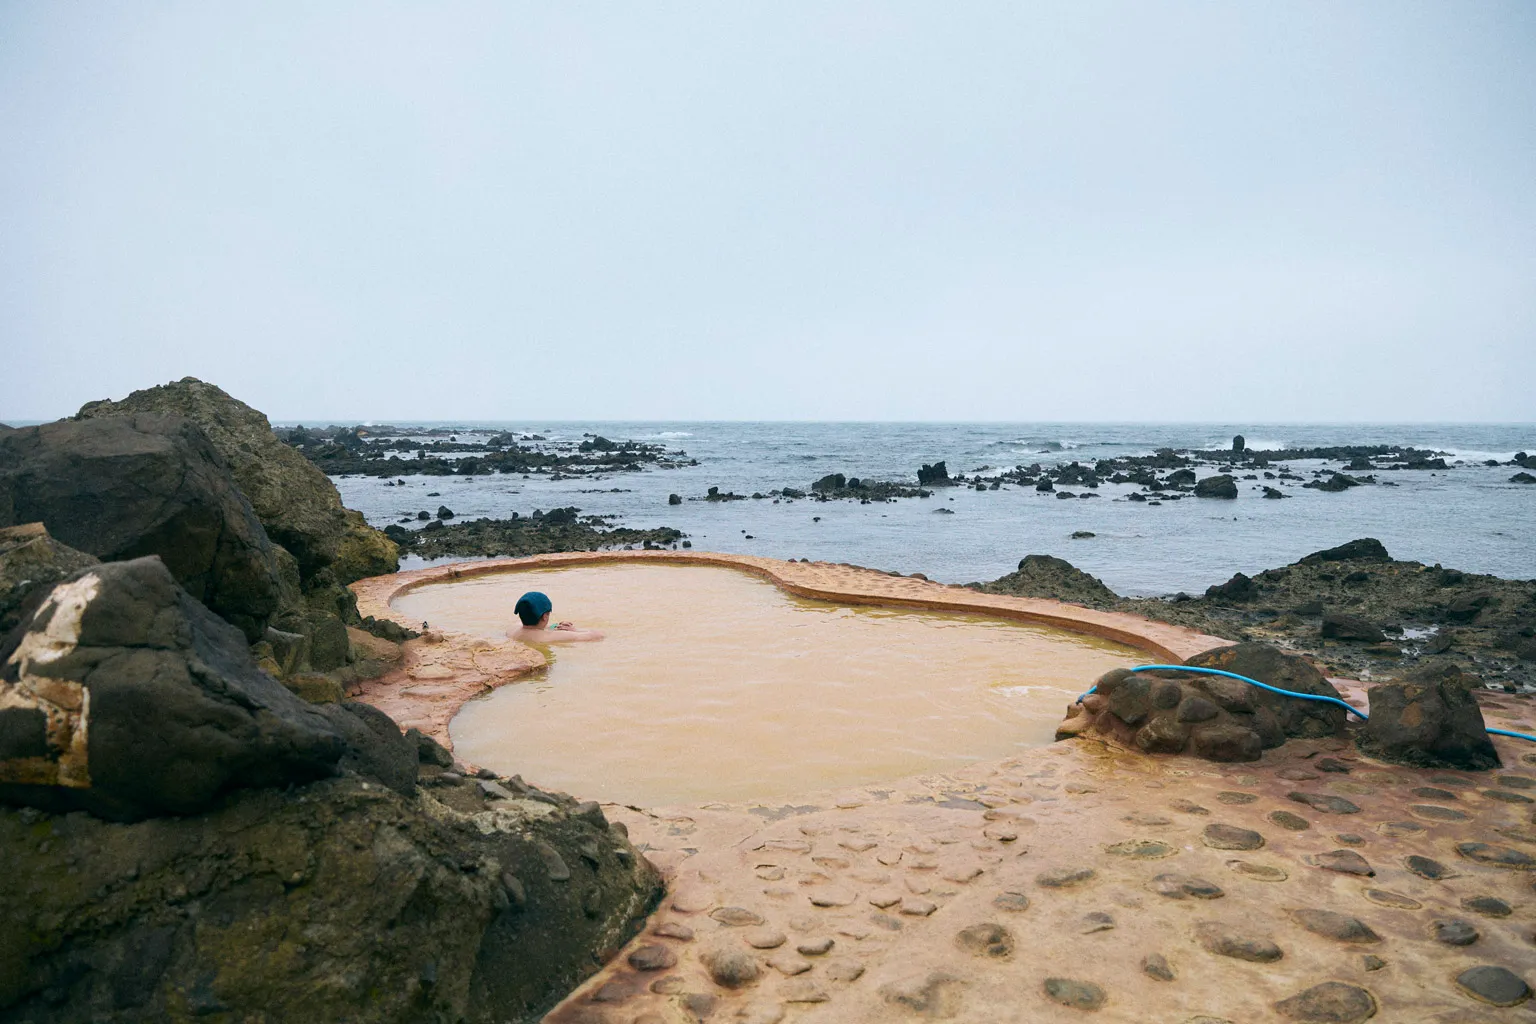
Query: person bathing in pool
[[533, 609]]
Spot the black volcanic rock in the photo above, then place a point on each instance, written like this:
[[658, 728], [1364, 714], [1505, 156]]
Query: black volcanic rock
[[126, 697], [147, 484]]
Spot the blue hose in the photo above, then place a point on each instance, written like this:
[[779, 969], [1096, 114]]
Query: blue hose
[[1284, 693]]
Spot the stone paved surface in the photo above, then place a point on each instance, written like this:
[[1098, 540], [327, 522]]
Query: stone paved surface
[[1083, 881]]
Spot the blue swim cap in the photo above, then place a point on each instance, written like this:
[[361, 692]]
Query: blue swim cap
[[532, 607]]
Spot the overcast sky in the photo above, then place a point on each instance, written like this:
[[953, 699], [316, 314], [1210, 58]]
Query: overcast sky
[[1013, 211]]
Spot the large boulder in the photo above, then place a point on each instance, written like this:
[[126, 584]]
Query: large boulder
[[1220, 486], [30, 561], [122, 695], [296, 503], [1214, 717], [1054, 578], [336, 901], [1428, 719], [147, 484]]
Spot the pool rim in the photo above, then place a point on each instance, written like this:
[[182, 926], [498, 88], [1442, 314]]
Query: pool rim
[[839, 583]]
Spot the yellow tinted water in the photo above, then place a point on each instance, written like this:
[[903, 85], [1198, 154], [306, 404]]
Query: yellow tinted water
[[714, 685]]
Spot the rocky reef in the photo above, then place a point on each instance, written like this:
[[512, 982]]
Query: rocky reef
[[558, 529]]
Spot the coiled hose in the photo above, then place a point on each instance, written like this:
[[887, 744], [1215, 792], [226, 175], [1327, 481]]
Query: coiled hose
[[1284, 693]]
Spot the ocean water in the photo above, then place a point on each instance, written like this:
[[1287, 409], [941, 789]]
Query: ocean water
[[1468, 517]]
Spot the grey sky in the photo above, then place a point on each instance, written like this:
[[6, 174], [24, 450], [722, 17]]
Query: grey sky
[[1015, 211]]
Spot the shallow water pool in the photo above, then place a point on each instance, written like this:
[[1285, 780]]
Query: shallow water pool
[[714, 685]]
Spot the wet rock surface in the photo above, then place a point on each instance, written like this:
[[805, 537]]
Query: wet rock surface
[[1428, 720]]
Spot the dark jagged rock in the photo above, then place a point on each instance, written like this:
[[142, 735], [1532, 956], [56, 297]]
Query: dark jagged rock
[[338, 900], [1428, 720], [30, 562], [936, 475], [1367, 549], [1238, 588], [1522, 478], [126, 697], [1055, 578], [1341, 626], [298, 506], [1222, 486], [146, 484]]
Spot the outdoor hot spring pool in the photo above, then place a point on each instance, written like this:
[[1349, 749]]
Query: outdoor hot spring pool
[[714, 685]]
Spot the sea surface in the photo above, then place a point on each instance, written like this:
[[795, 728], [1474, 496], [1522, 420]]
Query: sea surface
[[1469, 517]]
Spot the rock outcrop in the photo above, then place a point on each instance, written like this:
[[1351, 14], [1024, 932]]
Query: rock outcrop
[[146, 484], [278, 861], [1428, 720], [30, 561], [122, 695], [1054, 578], [296, 503], [1214, 717]]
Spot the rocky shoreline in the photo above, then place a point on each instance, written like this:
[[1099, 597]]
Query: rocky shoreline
[[1354, 609]]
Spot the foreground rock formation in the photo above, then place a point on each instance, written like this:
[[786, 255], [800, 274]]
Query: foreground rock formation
[[1214, 717], [318, 863]]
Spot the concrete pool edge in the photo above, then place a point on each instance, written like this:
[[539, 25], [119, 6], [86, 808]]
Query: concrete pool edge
[[441, 671]]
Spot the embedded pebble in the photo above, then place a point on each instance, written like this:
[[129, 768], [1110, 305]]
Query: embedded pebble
[[1231, 797], [1427, 867], [1224, 940], [884, 898], [1372, 962], [1488, 906], [831, 896], [671, 985], [1399, 829], [764, 938], [1332, 764], [673, 930], [986, 939], [1012, 901], [732, 968], [1080, 995], [788, 965], [1062, 878], [803, 990], [1262, 872], [858, 844], [960, 872], [1434, 812], [1097, 921], [1156, 966], [760, 1013], [844, 970], [736, 917], [1295, 775], [1230, 837], [1335, 926], [936, 994], [691, 900], [1332, 1002], [1181, 887], [1506, 797], [1285, 819], [554, 864], [1497, 985], [1141, 849], [1325, 804], [1147, 820], [912, 906], [769, 872], [1451, 780], [1431, 793], [1395, 900], [1349, 838], [1497, 856], [815, 947], [1187, 807], [1455, 932], [1517, 781], [652, 958], [890, 858], [1346, 862]]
